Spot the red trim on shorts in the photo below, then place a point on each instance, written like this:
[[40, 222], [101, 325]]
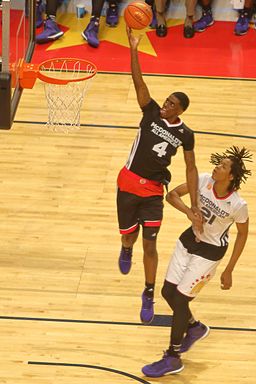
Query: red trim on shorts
[[156, 223], [129, 230], [130, 182]]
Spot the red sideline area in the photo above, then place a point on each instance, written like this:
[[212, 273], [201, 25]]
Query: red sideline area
[[215, 52]]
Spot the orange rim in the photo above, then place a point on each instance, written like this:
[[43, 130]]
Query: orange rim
[[52, 80]]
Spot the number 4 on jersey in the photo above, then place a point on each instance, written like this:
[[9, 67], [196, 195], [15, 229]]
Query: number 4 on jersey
[[160, 148]]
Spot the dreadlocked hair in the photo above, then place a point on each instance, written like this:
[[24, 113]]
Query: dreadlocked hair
[[238, 170]]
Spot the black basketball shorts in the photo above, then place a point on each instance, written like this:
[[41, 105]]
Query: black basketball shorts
[[133, 210]]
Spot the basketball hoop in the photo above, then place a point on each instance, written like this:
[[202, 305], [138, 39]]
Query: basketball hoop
[[66, 81]]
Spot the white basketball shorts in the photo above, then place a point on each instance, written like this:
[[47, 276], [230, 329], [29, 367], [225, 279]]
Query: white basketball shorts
[[189, 272]]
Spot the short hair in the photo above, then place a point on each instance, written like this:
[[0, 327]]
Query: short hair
[[238, 169], [183, 99]]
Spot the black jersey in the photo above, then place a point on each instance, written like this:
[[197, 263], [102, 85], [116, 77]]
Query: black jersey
[[155, 144]]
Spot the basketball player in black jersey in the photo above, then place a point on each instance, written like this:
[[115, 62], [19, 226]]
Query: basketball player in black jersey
[[141, 181]]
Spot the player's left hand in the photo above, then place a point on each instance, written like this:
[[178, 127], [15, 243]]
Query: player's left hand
[[226, 280]]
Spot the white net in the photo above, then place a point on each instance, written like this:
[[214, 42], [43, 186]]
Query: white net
[[65, 100]]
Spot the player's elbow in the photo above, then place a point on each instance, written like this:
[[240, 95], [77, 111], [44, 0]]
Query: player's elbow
[[171, 196]]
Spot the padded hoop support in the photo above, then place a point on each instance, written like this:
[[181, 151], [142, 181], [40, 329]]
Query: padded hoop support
[[27, 74]]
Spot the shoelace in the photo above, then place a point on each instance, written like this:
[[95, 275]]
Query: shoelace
[[126, 258], [243, 19], [161, 361], [113, 10], [205, 14], [148, 303], [127, 255], [93, 25]]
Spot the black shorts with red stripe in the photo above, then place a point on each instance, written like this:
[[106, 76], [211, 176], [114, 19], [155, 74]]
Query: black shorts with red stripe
[[134, 211]]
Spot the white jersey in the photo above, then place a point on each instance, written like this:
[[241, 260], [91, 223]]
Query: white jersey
[[219, 212]]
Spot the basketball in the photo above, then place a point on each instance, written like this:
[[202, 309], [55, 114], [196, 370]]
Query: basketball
[[138, 15]]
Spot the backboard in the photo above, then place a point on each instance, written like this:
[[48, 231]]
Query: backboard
[[17, 32]]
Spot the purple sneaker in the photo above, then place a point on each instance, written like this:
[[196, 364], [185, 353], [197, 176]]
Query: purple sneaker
[[51, 32], [166, 366], [125, 260], [147, 309], [90, 34], [200, 331], [112, 16], [39, 14], [242, 24], [205, 22]]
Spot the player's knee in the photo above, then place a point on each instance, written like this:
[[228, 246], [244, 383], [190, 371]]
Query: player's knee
[[149, 248], [130, 238], [168, 292], [180, 300], [150, 233], [165, 292], [150, 252]]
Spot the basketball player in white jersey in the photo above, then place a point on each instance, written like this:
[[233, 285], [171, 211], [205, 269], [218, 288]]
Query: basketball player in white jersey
[[197, 255]]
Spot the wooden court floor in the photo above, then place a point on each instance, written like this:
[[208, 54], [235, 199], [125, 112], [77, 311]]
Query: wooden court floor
[[67, 314]]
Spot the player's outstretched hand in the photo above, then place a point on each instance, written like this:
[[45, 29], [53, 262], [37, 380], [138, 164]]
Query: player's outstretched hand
[[133, 40]]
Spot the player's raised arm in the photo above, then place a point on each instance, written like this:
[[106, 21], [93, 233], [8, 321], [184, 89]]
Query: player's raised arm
[[141, 88]]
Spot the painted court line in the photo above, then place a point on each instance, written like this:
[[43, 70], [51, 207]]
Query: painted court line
[[47, 363], [159, 321]]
